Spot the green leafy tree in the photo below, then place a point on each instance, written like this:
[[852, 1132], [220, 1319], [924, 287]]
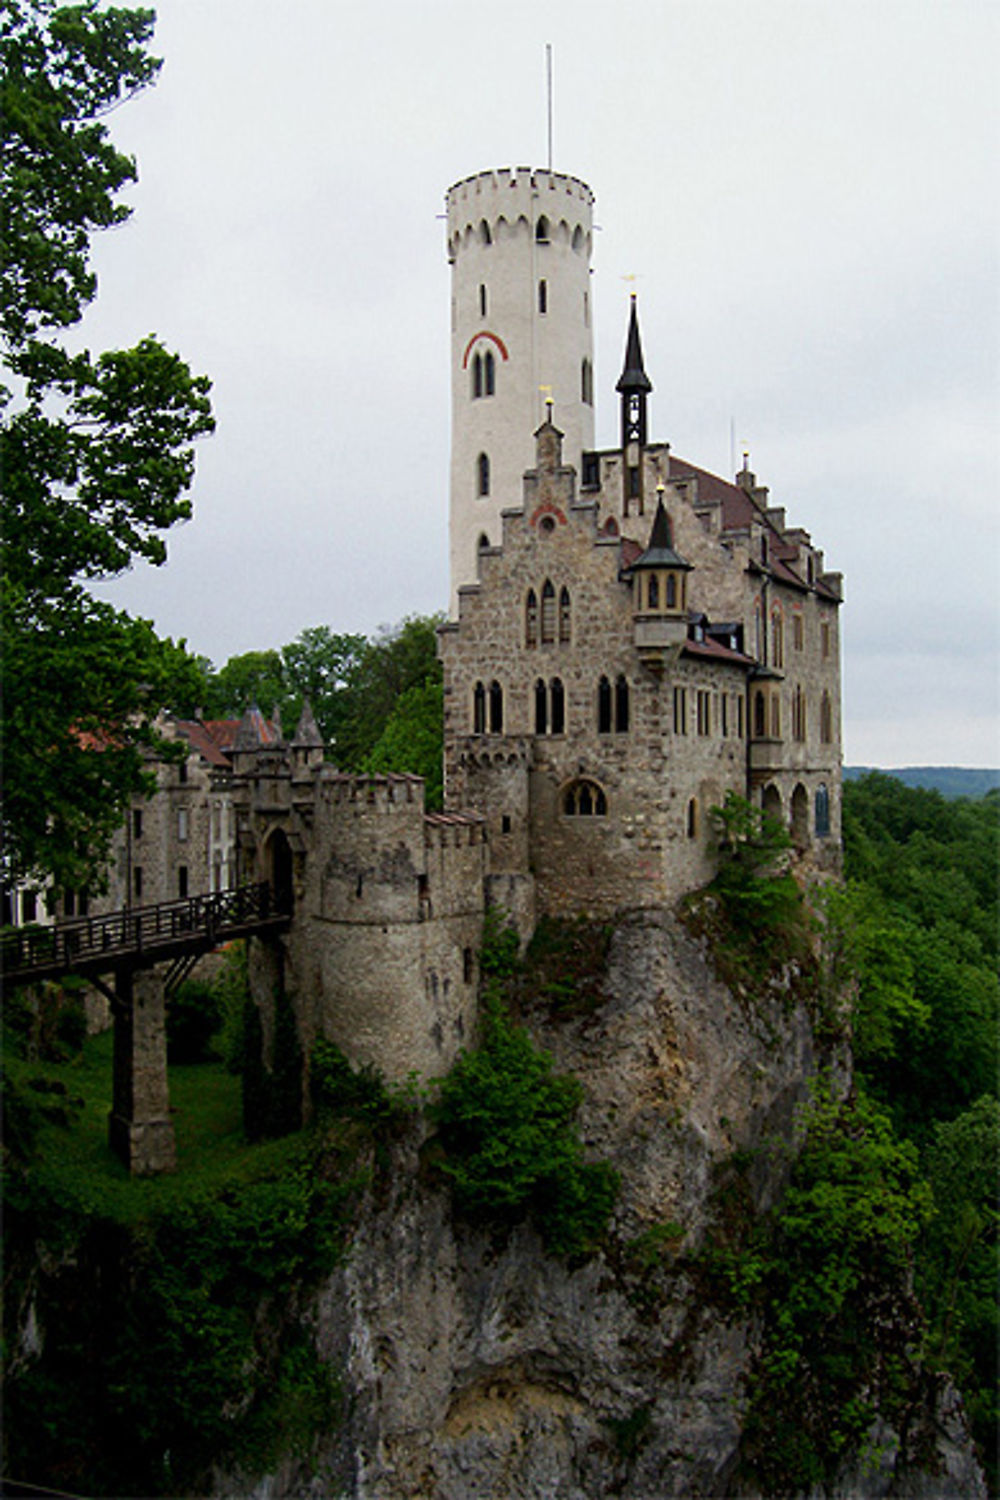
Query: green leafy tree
[[320, 666], [412, 740], [252, 677], [753, 882], [96, 452], [399, 659]]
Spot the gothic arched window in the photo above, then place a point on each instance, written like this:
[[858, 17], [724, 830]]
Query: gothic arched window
[[489, 373], [604, 706], [496, 708], [541, 707], [542, 230], [584, 799], [826, 719], [558, 703], [822, 812], [564, 616], [548, 613], [621, 706], [479, 709], [531, 619]]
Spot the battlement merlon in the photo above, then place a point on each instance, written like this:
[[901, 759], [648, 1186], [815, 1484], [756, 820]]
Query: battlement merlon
[[513, 194]]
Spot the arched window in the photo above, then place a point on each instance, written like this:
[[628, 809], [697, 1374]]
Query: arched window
[[496, 708], [484, 232], [531, 619], [541, 708], [671, 591], [483, 475], [558, 701], [777, 639], [621, 706], [479, 709], [604, 706], [584, 799], [692, 818], [652, 592], [799, 715], [775, 717], [587, 383], [543, 296], [489, 373], [484, 542], [548, 613], [477, 375], [826, 719], [542, 230], [800, 814], [758, 632], [759, 716], [482, 300], [822, 812], [564, 616]]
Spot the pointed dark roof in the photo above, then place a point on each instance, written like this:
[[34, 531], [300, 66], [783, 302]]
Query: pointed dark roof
[[633, 377], [307, 733], [660, 552]]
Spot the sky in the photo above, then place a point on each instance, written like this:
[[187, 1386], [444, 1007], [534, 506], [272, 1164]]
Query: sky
[[804, 191]]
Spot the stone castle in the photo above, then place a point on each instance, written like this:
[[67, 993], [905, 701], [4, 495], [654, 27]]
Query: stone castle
[[631, 637]]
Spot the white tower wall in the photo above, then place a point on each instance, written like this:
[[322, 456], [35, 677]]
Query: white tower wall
[[498, 261]]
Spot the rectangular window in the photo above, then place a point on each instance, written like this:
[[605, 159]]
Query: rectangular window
[[182, 824], [182, 882], [505, 822], [704, 712], [680, 710], [824, 639], [797, 631], [137, 823], [724, 715], [182, 772], [739, 718], [591, 471], [29, 906], [137, 882]]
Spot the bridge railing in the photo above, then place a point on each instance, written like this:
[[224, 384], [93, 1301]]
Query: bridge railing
[[136, 929]]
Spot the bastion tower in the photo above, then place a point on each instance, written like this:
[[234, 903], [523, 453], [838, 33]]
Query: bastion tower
[[519, 244]]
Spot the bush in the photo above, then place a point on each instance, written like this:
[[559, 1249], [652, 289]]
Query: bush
[[510, 1146], [753, 882], [193, 1018]]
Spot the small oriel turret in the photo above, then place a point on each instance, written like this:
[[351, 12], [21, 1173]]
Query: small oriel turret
[[659, 606]]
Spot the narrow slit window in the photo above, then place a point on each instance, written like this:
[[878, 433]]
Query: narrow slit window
[[483, 475], [558, 701], [496, 708], [604, 706], [543, 296]]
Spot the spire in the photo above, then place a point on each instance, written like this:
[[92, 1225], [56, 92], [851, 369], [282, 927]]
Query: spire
[[633, 377], [660, 552]]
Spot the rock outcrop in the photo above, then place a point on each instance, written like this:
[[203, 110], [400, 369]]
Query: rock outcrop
[[478, 1366]]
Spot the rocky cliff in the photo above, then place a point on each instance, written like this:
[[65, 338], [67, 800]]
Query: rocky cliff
[[474, 1364]]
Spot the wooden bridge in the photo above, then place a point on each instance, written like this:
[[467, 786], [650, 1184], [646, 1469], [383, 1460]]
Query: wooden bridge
[[178, 932], [146, 951]]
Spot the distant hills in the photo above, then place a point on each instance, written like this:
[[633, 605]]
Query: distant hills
[[950, 781]]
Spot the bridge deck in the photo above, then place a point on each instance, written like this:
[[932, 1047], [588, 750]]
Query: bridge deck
[[139, 935]]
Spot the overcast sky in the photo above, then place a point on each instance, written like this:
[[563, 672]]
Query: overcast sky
[[805, 191]]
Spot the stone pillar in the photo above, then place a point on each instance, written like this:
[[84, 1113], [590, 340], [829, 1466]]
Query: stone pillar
[[140, 1129]]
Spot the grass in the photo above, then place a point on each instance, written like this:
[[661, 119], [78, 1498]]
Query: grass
[[206, 1108]]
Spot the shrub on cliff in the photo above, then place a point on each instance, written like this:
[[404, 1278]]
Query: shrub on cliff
[[506, 1122]]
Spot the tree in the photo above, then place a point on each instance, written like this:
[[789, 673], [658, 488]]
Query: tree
[[398, 659], [412, 740], [96, 451], [320, 666]]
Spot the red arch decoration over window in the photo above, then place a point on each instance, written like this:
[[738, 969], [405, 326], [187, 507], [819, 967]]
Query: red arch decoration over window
[[494, 339]]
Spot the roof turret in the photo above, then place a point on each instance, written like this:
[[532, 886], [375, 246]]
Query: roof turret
[[633, 376], [660, 552]]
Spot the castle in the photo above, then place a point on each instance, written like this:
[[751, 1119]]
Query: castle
[[631, 637]]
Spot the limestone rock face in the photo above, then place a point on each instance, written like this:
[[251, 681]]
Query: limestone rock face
[[477, 1367]]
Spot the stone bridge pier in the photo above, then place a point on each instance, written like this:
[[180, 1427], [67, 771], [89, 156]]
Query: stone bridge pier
[[140, 1130]]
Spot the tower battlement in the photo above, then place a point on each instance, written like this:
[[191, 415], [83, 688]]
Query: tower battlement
[[512, 192]]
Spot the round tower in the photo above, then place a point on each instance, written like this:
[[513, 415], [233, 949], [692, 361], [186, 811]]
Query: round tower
[[519, 244]]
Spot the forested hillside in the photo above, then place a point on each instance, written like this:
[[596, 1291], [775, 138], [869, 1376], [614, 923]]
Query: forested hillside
[[950, 781], [921, 924]]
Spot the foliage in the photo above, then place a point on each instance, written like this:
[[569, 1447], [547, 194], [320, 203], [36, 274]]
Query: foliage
[[412, 740], [510, 1147], [255, 677], [194, 1017], [95, 452], [564, 964], [866, 946], [756, 890], [397, 660], [827, 1275], [958, 1270], [46, 1022], [499, 956], [320, 665], [172, 1309], [340, 1091]]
